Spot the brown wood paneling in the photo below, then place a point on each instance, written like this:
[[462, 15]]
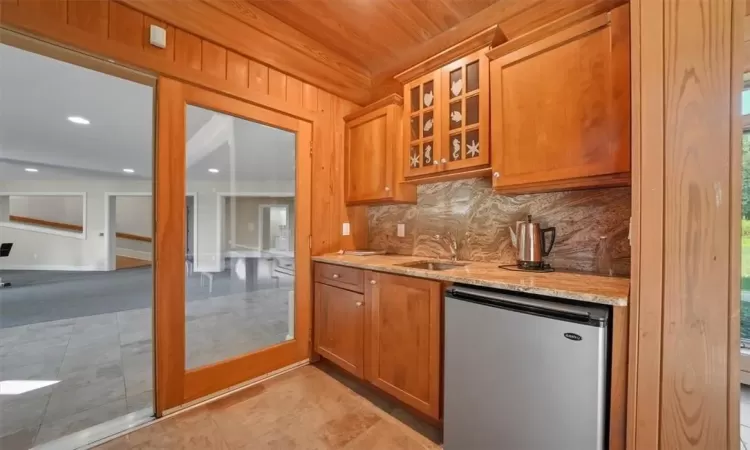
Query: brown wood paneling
[[169, 280], [260, 20], [683, 390], [213, 59], [309, 97], [237, 69], [618, 387], [203, 19], [258, 76], [166, 52], [126, 25], [188, 49], [294, 91], [276, 84], [91, 16], [696, 259], [53, 10]]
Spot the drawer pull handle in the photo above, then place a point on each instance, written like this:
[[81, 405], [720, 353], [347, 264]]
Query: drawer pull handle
[[359, 303], [373, 281], [496, 174], [335, 275]]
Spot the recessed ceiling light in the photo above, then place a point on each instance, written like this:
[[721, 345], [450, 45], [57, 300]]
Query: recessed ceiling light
[[213, 170], [128, 170], [79, 120], [31, 169]]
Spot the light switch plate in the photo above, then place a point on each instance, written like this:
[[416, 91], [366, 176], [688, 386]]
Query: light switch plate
[[345, 230], [158, 36], [400, 230]]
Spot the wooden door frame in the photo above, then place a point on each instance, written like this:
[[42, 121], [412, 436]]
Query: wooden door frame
[[176, 386], [683, 374]]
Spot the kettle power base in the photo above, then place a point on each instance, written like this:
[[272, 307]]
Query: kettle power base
[[517, 268]]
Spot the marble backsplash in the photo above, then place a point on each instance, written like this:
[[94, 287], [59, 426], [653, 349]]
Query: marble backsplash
[[479, 220]]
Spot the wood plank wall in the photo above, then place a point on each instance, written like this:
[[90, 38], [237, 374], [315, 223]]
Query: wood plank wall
[[109, 28], [683, 382]]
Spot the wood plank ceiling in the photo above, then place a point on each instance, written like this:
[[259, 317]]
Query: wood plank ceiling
[[385, 37], [372, 33]]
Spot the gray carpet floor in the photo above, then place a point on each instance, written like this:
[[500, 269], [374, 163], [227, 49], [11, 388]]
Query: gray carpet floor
[[44, 296]]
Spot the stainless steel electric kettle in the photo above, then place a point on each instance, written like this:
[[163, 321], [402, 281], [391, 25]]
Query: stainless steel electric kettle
[[529, 238]]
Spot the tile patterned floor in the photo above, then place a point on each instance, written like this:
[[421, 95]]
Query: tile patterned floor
[[303, 409], [104, 362]]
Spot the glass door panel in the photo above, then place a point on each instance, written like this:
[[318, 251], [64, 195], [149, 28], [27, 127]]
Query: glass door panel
[[233, 217], [239, 284]]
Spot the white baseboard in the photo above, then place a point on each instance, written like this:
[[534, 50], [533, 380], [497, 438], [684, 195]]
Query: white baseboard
[[146, 256], [51, 267]]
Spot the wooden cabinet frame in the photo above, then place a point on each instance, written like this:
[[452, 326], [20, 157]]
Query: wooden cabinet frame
[[436, 137]]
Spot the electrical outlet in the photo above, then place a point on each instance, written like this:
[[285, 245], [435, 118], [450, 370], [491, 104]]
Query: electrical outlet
[[401, 230], [345, 229]]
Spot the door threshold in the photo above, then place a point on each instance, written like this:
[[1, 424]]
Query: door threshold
[[103, 432]]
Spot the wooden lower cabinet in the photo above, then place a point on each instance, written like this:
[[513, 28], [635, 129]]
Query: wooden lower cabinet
[[391, 336], [339, 327], [403, 339]]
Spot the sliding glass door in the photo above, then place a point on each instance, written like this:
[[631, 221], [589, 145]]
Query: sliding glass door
[[233, 208]]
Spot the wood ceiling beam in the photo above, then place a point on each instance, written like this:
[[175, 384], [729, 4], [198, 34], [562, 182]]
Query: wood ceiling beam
[[315, 66]]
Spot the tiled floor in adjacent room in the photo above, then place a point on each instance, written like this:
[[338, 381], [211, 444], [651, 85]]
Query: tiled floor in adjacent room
[[307, 408], [103, 363]]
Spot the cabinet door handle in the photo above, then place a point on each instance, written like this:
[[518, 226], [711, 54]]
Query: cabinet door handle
[[435, 162], [373, 282], [496, 175], [359, 303], [335, 275], [443, 161], [387, 189]]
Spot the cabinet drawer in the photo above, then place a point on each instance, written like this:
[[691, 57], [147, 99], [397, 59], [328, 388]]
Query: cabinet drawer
[[340, 276]]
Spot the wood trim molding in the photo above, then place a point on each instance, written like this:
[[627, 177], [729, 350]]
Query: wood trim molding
[[563, 23], [393, 99], [71, 227], [472, 44]]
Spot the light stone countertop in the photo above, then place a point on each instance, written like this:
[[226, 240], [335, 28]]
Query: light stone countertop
[[574, 286]]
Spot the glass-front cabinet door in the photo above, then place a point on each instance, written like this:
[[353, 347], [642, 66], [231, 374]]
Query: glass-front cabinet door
[[465, 113], [422, 120]]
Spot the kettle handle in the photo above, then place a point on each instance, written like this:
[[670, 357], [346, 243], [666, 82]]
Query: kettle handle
[[545, 249]]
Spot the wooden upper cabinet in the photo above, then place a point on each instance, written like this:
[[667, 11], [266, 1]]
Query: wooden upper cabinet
[[339, 327], [373, 163], [561, 107], [403, 340], [447, 117], [422, 125], [465, 99]]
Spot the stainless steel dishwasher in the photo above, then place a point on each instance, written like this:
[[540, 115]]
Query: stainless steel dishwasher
[[524, 372]]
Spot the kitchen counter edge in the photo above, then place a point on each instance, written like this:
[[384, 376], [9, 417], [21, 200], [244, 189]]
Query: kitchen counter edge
[[528, 282]]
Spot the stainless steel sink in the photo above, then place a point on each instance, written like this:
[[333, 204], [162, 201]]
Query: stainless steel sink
[[432, 265]]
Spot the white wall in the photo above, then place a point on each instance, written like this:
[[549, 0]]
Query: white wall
[[35, 250], [246, 219], [67, 209]]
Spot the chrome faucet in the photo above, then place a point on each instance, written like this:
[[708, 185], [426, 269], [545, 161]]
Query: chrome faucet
[[452, 243]]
